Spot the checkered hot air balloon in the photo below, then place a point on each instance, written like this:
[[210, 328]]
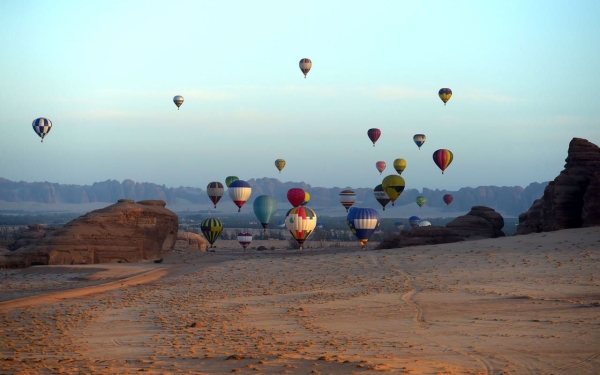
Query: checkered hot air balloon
[[41, 127]]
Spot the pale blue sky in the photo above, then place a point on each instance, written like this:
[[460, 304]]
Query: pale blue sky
[[524, 75]]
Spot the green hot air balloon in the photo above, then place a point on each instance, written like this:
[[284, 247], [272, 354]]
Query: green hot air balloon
[[264, 209], [420, 200], [230, 179], [211, 228], [393, 185]]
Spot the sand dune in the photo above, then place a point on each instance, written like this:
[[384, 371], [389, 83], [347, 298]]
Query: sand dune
[[516, 305]]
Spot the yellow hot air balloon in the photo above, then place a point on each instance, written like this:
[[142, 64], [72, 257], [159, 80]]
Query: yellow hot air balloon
[[445, 94], [279, 164], [393, 186], [399, 165]]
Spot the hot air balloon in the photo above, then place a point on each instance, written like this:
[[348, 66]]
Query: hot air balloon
[[178, 100], [281, 224], [420, 200], [393, 186], [399, 165], [374, 135], [319, 225], [301, 222], [264, 209], [244, 239], [413, 221], [399, 225], [306, 199], [445, 94], [279, 164], [296, 196], [215, 191], [448, 198], [41, 127], [424, 223], [211, 228], [419, 139], [305, 65], [380, 165], [442, 158], [381, 196], [347, 198], [230, 179], [239, 191], [363, 222]]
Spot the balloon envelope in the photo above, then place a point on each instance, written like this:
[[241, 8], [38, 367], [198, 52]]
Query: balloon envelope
[[442, 158], [381, 196], [424, 223], [380, 165], [306, 198], [178, 100], [244, 239], [393, 185], [413, 221], [264, 209], [305, 65], [296, 196], [399, 165], [215, 191], [399, 225], [448, 198], [445, 94], [419, 139], [279, 164], [230, 179], [41, 127], [347, 198], [211, 228], [363, 222], [374, 135], [420, 200], [239, 191], [301, 222]]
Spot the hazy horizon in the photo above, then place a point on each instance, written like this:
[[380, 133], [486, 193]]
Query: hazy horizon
[[523, 76]]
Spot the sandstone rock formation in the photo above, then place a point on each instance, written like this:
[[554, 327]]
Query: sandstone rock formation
[[190, 240], [572, 200], [480, 222], [431, 235], [123, 232]]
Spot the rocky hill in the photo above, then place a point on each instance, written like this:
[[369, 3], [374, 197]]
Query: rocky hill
[[510, 200]]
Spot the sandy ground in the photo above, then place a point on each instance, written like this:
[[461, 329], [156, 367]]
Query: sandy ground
[[517, 305]]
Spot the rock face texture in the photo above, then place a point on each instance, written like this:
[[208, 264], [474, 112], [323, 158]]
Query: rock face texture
[[431, 235], [190, 240], [480, 222], [572, 200], [123, 232]]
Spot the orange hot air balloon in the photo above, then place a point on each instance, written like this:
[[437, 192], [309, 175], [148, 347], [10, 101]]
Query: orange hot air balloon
[[380, 165]]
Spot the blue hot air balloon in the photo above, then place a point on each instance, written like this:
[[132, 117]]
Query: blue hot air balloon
[[264, 209], [399, 225], [414, 221], [363, 222], [319, 225]]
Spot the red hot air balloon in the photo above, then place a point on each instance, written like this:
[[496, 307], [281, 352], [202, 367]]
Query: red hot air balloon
[[296, 196], [380, 165], [374, 135], [443, 158], [448, 198]]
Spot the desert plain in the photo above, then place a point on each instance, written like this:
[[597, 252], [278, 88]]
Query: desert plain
[[514, 305]]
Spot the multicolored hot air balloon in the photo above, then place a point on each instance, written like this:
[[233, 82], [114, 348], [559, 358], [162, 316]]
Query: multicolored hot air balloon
[[413, 221], [399, 165], [244, 239], [41, 127], [442, 158], [445, 94], [420, 200], [380, 165], [448, 198], [393, 186], [301, 222], [296, 196], [347, 198], [215, 191], [230, 179], [381, 196], [239, 191], [374, 135], [419, 139], [264, 209], [306, 199], [211, 228], [363, 222], [424, 223], [279, 164], [305, 65], [178, 100]]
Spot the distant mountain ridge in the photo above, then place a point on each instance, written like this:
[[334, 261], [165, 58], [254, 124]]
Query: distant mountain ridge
[[512, 200]]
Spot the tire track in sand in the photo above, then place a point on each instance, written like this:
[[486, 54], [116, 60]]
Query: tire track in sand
[[408, 298]]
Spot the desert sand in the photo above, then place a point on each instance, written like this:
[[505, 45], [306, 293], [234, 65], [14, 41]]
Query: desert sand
[[514, 305]]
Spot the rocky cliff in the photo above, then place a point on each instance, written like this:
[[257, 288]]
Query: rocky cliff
[[572, 200], [123, 232]]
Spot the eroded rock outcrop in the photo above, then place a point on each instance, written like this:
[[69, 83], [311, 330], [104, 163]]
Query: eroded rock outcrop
[[123, 232], [431, 235], [190, 240], [572, 200], [480, 222]]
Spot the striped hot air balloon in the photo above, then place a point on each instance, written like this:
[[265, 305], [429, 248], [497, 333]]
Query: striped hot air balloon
[[381, 196], [347, 198], [239, 191], [215, 191], [305, 65], [363, 222], [419, 139], [178, 100], [230, 179], [442, 158], [445, 94], [41, 127], [301, 222], [211, 228], [374, 135], [244, 239]]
